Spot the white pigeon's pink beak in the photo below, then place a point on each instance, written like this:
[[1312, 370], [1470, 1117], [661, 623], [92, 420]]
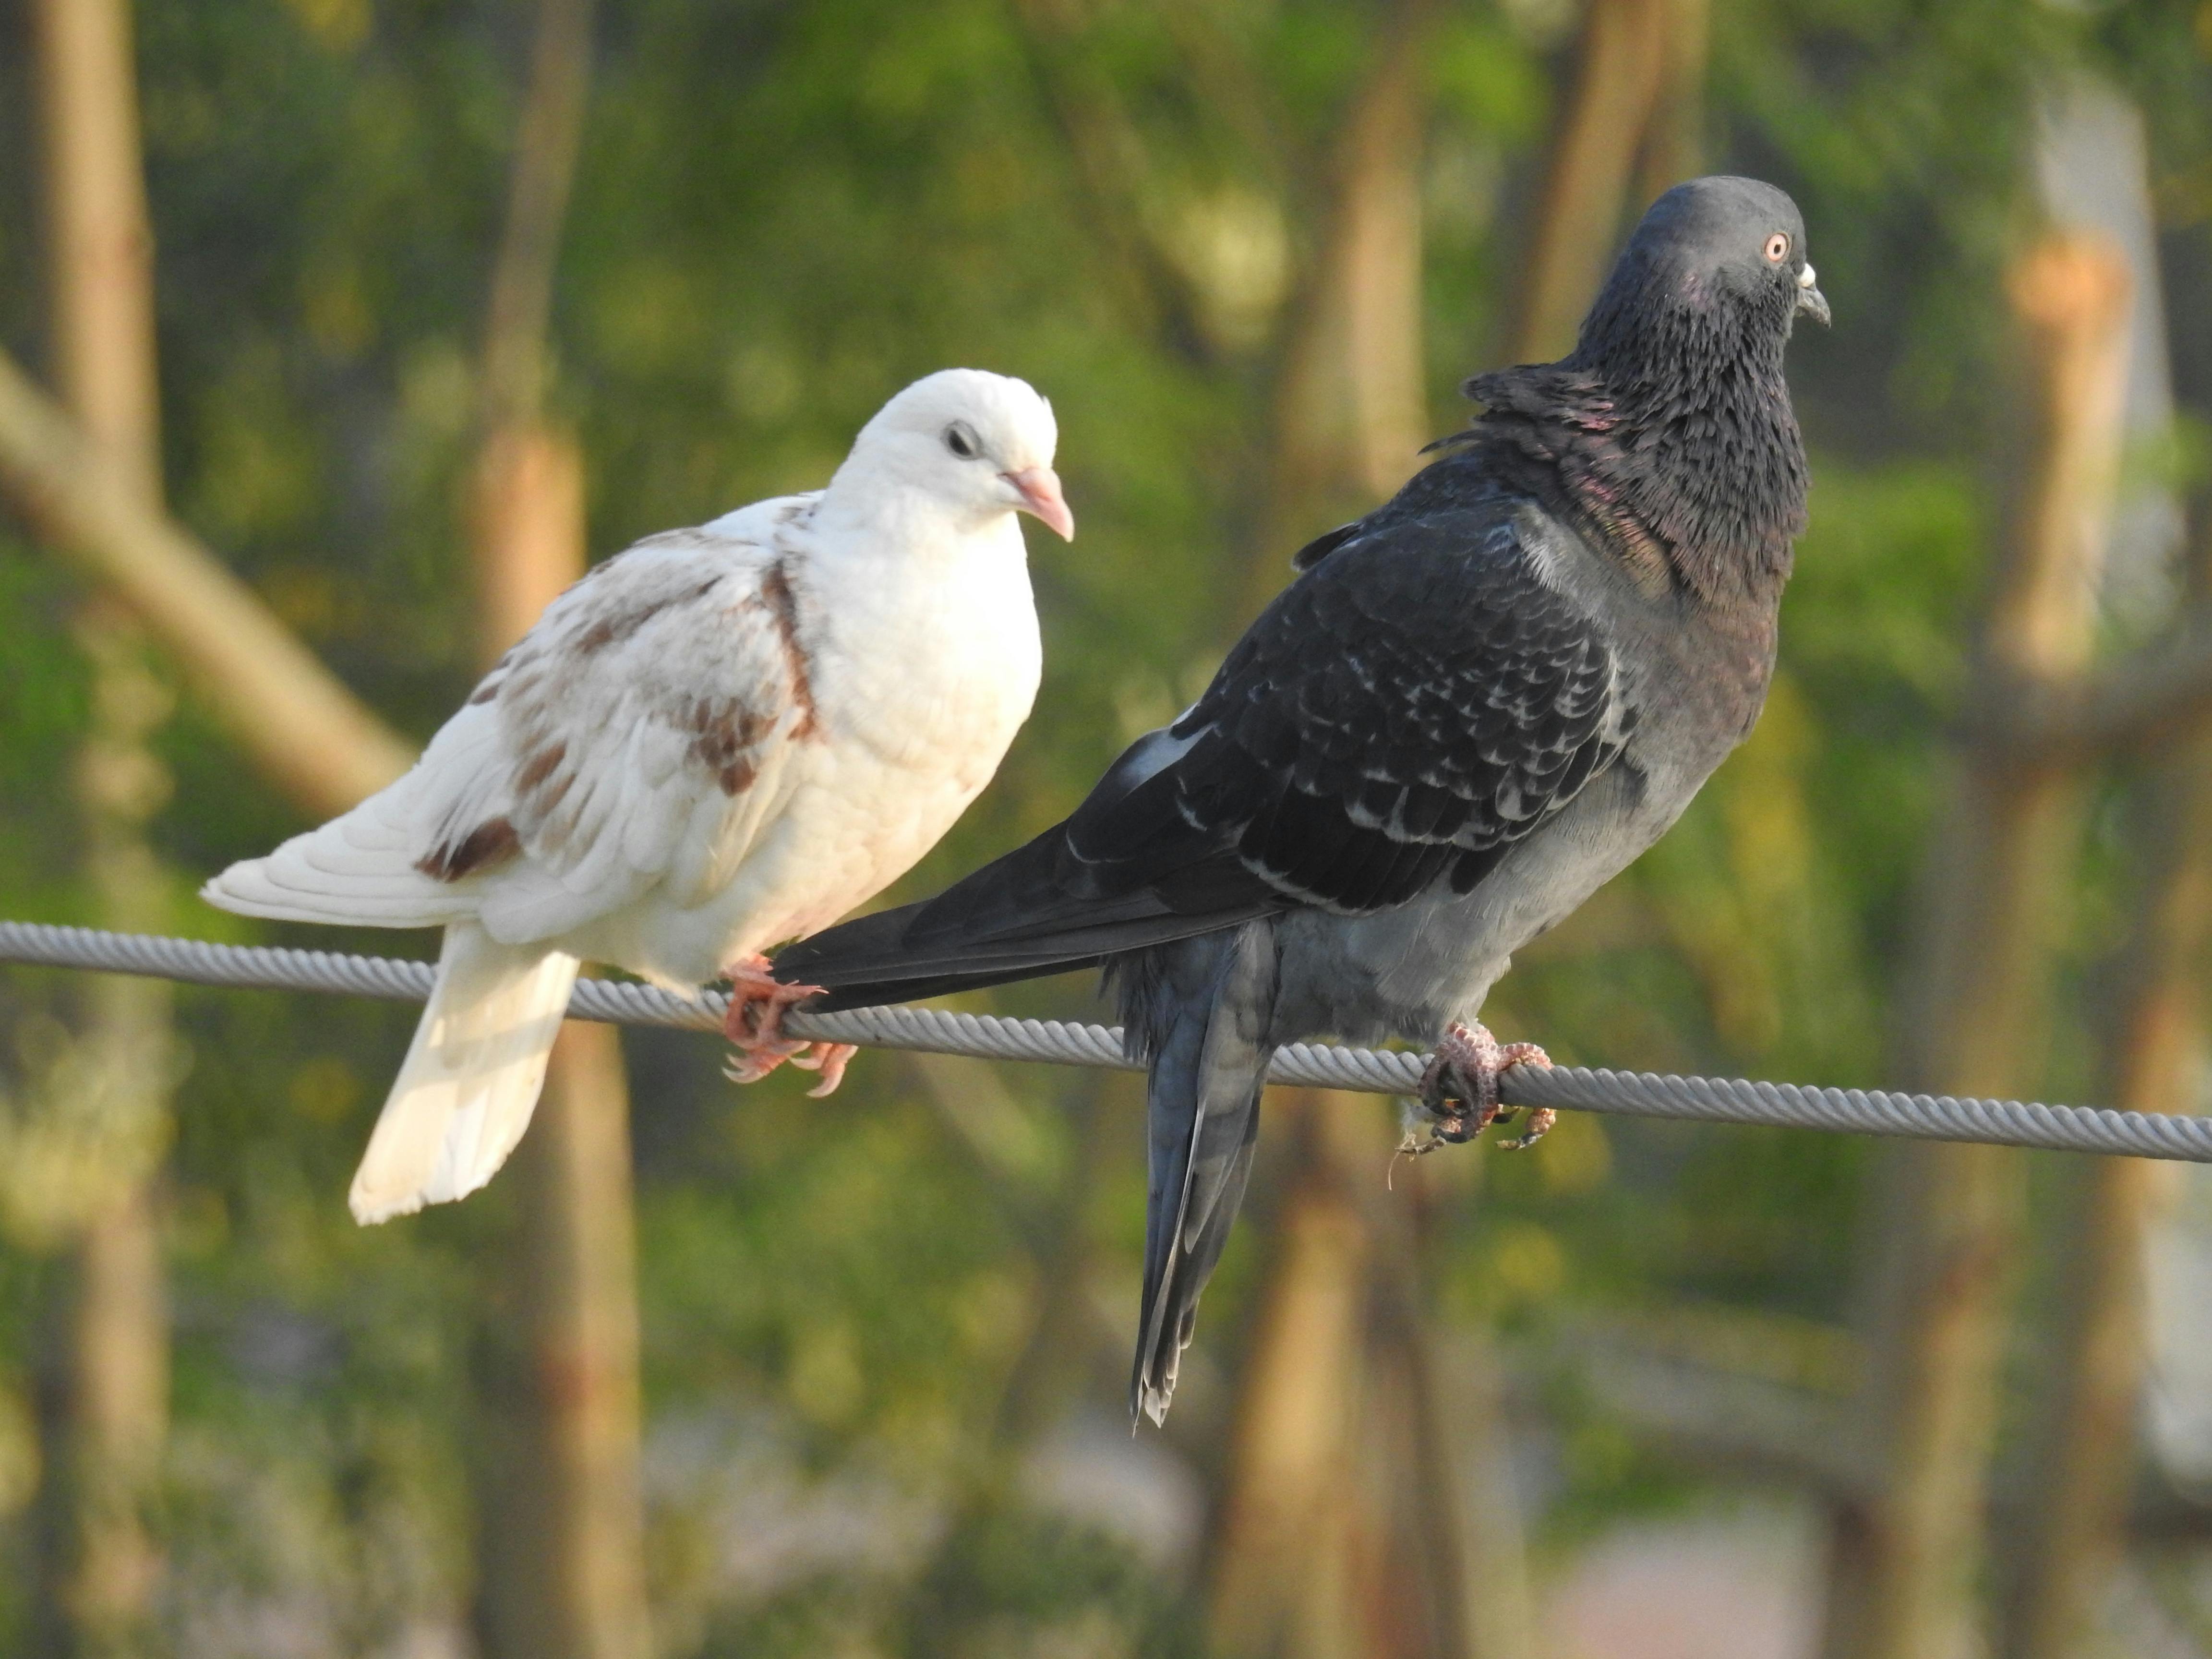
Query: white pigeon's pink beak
[[1040, 492]]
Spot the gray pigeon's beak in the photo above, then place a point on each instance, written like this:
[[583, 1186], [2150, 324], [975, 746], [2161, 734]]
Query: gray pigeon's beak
[[1039, 488], [1810, 300]]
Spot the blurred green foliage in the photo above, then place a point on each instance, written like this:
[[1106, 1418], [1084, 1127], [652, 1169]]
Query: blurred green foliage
[[786, 211]]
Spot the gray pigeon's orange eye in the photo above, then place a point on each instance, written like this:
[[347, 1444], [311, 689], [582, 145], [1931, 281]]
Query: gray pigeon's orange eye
[[1777, 248]]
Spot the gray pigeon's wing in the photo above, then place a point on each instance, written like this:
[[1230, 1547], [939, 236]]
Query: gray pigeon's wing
[[1414, 705], [1402, 714]]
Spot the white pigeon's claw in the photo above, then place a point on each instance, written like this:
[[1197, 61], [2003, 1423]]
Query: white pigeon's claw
[[753, 1061], [754, 1024], [830, 1059]]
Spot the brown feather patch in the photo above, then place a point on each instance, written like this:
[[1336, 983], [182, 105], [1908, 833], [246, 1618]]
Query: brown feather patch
[[540, 768], [610, 630], [784, 607], [493, 841], [722, 736]]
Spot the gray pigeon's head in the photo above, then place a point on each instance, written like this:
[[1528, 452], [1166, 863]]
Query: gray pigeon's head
[[1720, 256], [1669, 424], [977, 444]]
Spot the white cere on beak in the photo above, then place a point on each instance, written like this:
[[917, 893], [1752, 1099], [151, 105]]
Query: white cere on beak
[[1805, 276]]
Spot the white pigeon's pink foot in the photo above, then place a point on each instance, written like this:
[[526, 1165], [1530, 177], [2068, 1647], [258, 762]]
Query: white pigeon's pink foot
[[754, 1024], [1459, 1090], [830, 1059]]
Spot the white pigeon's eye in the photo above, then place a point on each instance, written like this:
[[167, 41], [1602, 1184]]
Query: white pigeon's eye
[[1777, 248], [960, 438]]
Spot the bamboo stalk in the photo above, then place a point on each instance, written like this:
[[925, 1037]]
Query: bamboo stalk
[[561, 1532], [304, 732], [106, 1451], [1351, 403], [1635, 119], [1904, 1580], [2066, 1543], [1284, 1578], [1622, 64]]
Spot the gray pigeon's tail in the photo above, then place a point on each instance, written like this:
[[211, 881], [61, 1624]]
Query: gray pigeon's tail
[[1202, 1008]]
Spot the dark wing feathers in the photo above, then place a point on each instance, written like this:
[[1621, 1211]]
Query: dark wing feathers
[[1401, 714], [1322, 546], [1420, 695]]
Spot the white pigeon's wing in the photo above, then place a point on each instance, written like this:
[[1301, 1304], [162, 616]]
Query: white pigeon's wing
[[637, 738]]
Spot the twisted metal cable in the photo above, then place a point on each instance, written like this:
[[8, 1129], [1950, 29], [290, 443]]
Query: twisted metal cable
[[1370, 1071]]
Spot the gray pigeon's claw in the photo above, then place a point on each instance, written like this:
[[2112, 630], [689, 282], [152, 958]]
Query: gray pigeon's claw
[[1418, 1141], [1460, 1088], [1540, 1125]]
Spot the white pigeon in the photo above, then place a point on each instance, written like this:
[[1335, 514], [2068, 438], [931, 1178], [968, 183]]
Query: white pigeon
[[722, 738]]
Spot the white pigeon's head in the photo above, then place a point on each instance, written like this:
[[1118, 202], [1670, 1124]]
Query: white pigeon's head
[[979, 444]]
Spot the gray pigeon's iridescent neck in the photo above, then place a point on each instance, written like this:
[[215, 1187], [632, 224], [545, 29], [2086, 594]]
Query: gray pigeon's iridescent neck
[[1679, 441]]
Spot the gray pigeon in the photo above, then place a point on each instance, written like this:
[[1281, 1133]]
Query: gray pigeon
[[1472, 708]]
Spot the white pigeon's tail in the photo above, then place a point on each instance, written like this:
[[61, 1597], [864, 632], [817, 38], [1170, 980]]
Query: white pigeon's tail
[[470, 1079]]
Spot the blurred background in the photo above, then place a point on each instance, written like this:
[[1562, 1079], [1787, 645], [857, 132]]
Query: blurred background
[[341, 332]]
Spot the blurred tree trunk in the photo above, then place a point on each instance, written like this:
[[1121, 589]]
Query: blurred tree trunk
[[1293, 1523], [2059, 1561], [953, 1602], [104, 1445], [1437, 1419], [308, 735], [1674, 141], [1947, 1218], [2069, 1537], [1371, 1509], [2057, 1553], [1108, 158], [1351, 409], [1639, 91], [560, 1525], [1342, 1531], [560, 1521]]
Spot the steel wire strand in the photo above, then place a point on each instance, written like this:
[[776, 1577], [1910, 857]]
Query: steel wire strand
[[984, 1036]]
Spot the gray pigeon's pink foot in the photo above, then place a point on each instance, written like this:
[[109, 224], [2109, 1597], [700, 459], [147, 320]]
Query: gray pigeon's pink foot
[[1540, 1125], [1459, 1090], [754, 1024]]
